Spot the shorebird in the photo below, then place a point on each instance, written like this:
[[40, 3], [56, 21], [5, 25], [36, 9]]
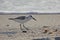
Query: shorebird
[[22, 20]]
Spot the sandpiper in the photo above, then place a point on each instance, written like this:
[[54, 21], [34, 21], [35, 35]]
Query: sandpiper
[[22, 20]]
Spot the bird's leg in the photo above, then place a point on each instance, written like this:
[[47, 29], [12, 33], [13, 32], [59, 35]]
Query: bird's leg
[[25, 27], [21, 27]]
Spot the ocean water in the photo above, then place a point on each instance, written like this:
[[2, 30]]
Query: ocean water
[[30, 5]]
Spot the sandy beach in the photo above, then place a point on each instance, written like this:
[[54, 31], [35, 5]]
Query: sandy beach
[[36, 27]]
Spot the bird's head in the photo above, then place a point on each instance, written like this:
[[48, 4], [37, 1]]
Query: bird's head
[[32, 17]]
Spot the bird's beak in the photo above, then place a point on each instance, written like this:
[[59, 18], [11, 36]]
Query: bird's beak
[[11, 19], [33, 18]]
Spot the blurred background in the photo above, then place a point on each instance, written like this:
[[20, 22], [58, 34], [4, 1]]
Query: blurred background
[[30, 5]]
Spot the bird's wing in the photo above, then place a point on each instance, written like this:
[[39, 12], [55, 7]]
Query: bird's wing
[[21, 17]]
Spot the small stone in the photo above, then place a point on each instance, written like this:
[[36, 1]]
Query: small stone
[[45, 31], [50, 32], [7, 25]]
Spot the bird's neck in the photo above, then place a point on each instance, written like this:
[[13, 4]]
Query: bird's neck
[[29, 17]]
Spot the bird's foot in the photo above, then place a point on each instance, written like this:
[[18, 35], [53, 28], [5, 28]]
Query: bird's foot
[[24, 31]]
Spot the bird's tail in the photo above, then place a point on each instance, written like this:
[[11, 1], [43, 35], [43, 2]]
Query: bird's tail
[[11, 18]]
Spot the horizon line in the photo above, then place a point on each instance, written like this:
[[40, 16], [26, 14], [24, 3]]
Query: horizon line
[[33, 13]]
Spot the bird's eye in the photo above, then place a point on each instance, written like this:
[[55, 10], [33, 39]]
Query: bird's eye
[[31, 16]]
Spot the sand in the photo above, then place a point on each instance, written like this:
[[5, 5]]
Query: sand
[[36, 27]]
